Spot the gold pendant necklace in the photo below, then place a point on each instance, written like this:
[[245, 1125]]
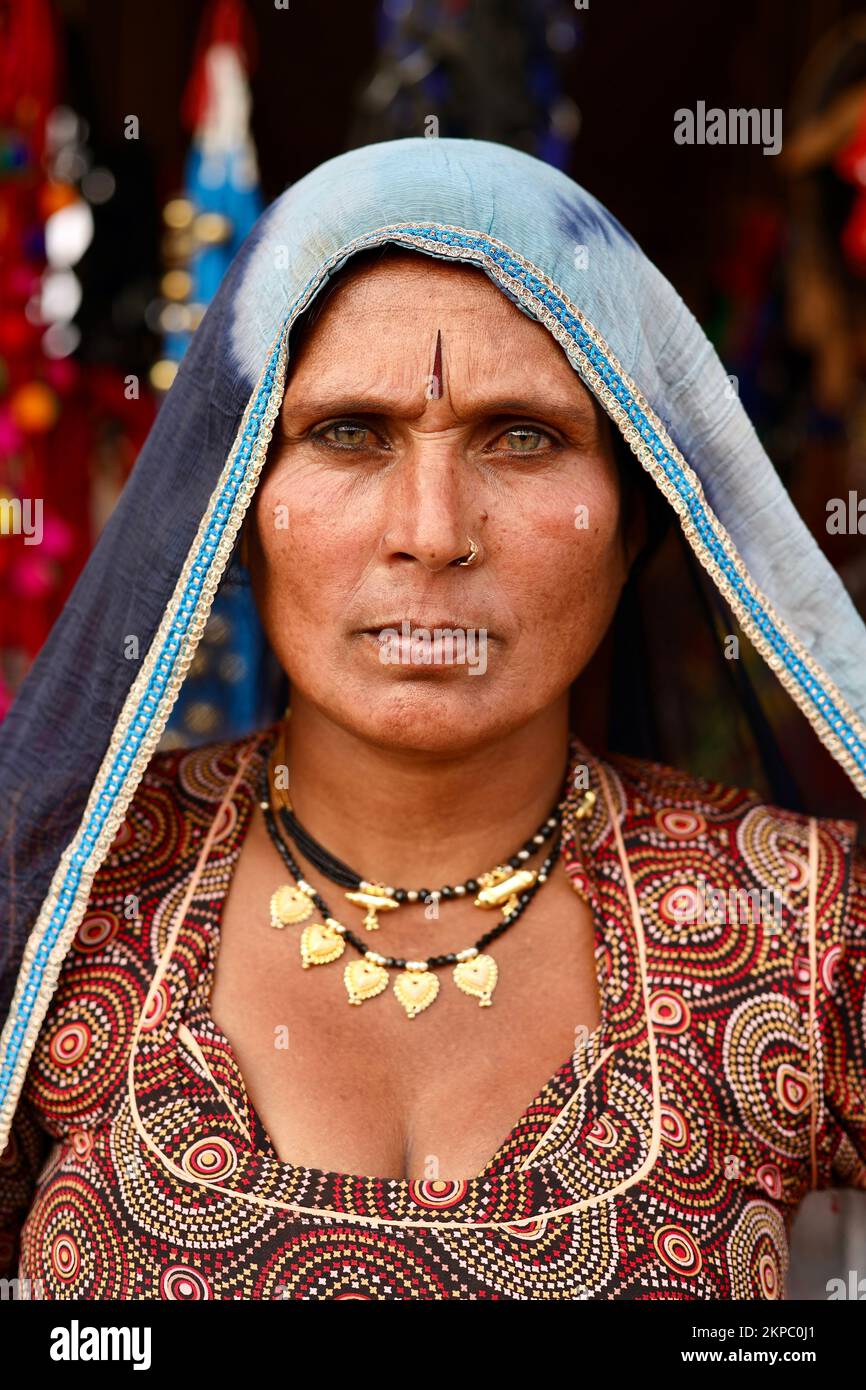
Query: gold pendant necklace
[[498, 888], [416, 985], [375, 899]]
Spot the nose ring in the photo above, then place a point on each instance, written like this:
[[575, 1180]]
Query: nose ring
[[469, 559]]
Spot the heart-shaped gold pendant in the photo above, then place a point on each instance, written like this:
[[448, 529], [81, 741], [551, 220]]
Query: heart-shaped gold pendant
[[320, 944], [416, 990], [290, 905], [364, 980], [478, 977]]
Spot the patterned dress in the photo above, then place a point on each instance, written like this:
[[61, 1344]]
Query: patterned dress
[[664, 1159]]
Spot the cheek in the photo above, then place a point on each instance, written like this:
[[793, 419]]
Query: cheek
[[307, 541], [567, 559]]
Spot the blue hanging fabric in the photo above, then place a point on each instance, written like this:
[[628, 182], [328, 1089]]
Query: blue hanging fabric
[[220, 204]]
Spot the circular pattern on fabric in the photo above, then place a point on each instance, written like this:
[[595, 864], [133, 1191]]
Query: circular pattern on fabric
[[65, 1258], [681, 824], [674, 1127], [224, 823], [699, 913], [603, 1133], [775, 851], [757, 1251], [156, 1010], [71, 1241], [147, 843], [568, 1257], [802, 973], [525, 1230], [181, 1284], [761, 1053], [696, 1176], [202, 773], [680, 905], [770, 1178], [69, 1044], [438, 1193], [678, 1249], [351, 1261], [162, 1206], [95, 931], [82, 1051], [579, 1221], [794, 1088], [798, 869], [211, 1159], [81, 1143], [828, 967], [669, 1012]]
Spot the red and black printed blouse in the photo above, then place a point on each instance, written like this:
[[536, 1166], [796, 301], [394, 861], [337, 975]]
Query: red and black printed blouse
[[664, 1159]]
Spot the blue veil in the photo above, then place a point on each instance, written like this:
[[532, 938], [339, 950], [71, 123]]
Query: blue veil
[[91, 713]]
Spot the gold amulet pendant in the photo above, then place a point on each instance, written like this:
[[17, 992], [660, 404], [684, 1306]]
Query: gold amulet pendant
[[477, 977], [290, 905]]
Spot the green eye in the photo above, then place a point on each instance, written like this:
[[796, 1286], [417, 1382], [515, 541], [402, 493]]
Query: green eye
[[525, 439], [346, 434]]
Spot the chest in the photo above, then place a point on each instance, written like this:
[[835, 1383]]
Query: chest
[[365, 1089]]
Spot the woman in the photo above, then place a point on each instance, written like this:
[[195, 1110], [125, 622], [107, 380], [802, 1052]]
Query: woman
[[290, 1012]]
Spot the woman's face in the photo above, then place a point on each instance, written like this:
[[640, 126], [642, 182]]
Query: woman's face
[[423, 409]]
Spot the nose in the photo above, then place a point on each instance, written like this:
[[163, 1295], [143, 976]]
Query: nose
[[426, 506]]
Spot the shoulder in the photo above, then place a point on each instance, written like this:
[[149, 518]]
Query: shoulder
[[684, 806], [200, 774], [697, 842], [754, 934], [189, 808], [188, 784], [187, 795]]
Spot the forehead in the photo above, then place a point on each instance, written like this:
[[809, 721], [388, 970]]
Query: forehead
[[375, 285], [385, 317]]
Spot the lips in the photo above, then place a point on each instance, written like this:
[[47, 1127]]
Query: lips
[[426, 624]]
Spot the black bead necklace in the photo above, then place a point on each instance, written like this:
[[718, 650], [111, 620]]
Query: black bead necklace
[[340, 873], [474, 973]]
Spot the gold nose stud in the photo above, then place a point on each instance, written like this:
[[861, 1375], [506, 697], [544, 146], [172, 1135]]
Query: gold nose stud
[[469, 559]]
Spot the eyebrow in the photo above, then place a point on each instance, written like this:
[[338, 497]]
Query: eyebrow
[[580, 412]]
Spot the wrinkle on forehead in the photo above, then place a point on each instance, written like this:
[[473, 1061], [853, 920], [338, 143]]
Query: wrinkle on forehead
[[381, 327]]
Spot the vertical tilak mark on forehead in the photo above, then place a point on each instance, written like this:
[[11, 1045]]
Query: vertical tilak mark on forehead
[[437, 365]]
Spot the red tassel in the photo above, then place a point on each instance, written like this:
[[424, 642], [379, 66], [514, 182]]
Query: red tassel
[[850, 164], [28, 68], [224, 21]]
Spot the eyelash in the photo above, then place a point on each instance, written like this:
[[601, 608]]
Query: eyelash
[[318, 436]]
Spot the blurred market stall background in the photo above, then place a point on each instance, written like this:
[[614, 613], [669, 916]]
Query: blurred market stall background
[[138, 143]]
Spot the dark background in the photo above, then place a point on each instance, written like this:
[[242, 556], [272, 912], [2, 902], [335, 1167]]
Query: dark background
[[635, 64]]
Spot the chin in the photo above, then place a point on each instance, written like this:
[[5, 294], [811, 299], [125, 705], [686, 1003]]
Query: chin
[[426, 715]]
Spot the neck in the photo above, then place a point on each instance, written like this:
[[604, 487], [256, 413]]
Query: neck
[[416, 819]]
